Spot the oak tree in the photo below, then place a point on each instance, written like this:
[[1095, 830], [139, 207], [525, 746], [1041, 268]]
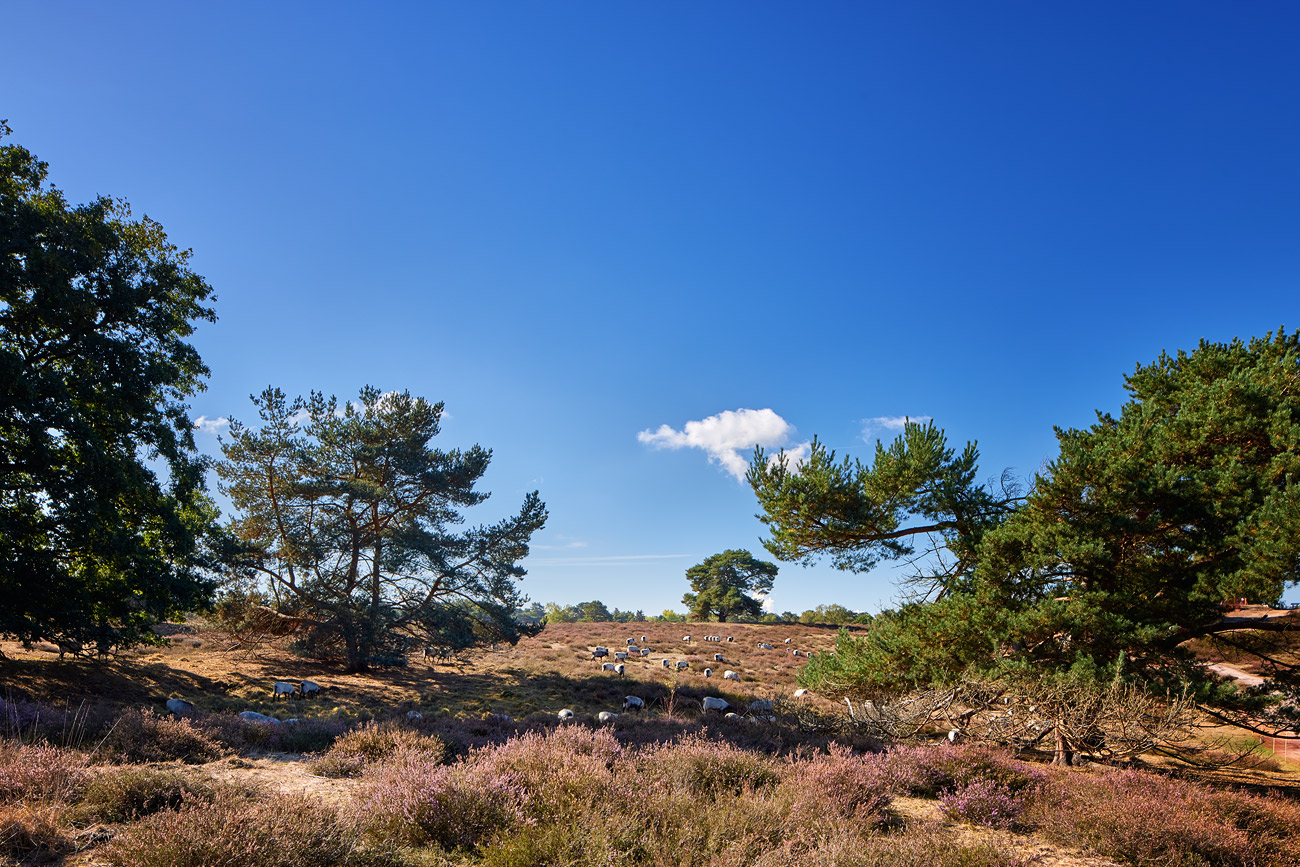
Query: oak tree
[[726, 586]]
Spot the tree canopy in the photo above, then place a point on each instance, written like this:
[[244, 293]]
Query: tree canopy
[[349, 521], [1127, 545], [725, 586], [103, 518]]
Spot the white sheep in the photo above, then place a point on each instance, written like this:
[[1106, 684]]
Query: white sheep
[[730, 675], [730, 715], [712, 703], [645, 651], [797, 652], [599, 652], [309, 687], [631, 702], [631, 641], [254, 716], [643, 639], [717, 657], [686, 638], [620, 656], [954, 735], [763, 645], [729, 638], [414, 716], [608, 666], [682, 665], [788, 640], [620, 669], [283, 688], [800, 692], [180, 706], [708, 672], [565, 714], [667, 663], [760, 705], [605, 716]]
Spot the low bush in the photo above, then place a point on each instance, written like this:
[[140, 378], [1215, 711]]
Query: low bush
[[986, 801], [419, 803], [834, 786], [128, 793], [144, 736], [1145, 819], [698, 768], [33, 833], [39, 772], [350, 752], [927, 771], [233, 831]]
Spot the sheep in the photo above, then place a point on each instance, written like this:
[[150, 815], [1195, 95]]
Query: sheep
[[711, 703], [645, 651], [631, 702], [708, 672], [633, 649], [564, 715], [729, 638], [620, 656], [180, 706], [605, 716], [763, 645], [643, 639], [620, 669], [760, 704], [599, 653], [797, 652], [254, 716], [730, 715], [788, 640], [686, 638], [608, 666], [499, 718], [730, 675], [309, 688], [414, 716], [954, 735], [682, 665], [283, 688], [667, 663], [800, 692], [631, 641], [717, 657]]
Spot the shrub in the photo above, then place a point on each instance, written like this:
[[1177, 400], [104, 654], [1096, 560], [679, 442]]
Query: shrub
[[39, 772], [985, 801], [32, 833], [232, 831], [377, 742], [838, 785], [926, 771], [144, 736], [918, 847], [128, 793], [1147, 820], [703, 769], [418, 803], [305, 736]]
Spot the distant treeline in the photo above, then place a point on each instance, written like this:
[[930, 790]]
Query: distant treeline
[[597, 612]]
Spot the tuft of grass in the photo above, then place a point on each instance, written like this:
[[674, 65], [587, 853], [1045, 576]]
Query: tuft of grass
[[33, 833], [351, 752], [125, 794]]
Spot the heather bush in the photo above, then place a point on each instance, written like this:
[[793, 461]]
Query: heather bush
[[32, 833], [926, 771], [128, 793], [836, 786], [39, 772], [698, 768], [144, 736], [352, 751], [570, 765], [233, 831], [986, 801], [922, 846], [305, 736], [1146, 819], [420, 803]]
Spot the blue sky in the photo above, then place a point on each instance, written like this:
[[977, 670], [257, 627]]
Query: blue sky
[[576, 223]]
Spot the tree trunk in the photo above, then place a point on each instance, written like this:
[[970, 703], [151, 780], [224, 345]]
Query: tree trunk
[[355, 658], [1064, 754]]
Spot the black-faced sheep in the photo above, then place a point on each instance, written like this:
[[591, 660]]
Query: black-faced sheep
[[605, 716], [180, 706], [631, 702], [713, 703], [730, 675], [283, 688], [565, 714], [309, 688]]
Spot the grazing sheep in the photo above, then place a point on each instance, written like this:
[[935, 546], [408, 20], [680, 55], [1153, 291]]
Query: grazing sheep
[[800, 692], [600, 653], [797, 652], [667, 663], [254, 716], [605, 716], [608, 666], [631, 702], [414, 715], [645, 651], [729, 638], [730, 715], [633, 649], [565, 714], [283, 688], [499, 717], [309, 688], [631, 641], [620, 656], [788, 640], [682, 665], [620, 669], [730, 675], [708, 672], [760, 705], [686, 638], [643, 639], [717, 657], [763, 645], [712, 703], [180, 706]]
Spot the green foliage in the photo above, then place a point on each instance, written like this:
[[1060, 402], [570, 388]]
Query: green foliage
[[104, 525], [723, 585], [1126, 547], [347, 520]]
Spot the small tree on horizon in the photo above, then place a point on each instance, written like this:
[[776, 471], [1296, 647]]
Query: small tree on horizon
[[725, 585]]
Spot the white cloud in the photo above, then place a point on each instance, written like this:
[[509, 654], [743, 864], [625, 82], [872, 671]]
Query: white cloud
[[211, 425], [562, 543], [722, 436], [891, 423]]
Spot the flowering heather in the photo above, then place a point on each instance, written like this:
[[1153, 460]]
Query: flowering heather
[[352, 751], [926, 771], [420, 803], [144, 736], [695, 767], [986, 801], [1146, 819], [39, 772], [840, 785]]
